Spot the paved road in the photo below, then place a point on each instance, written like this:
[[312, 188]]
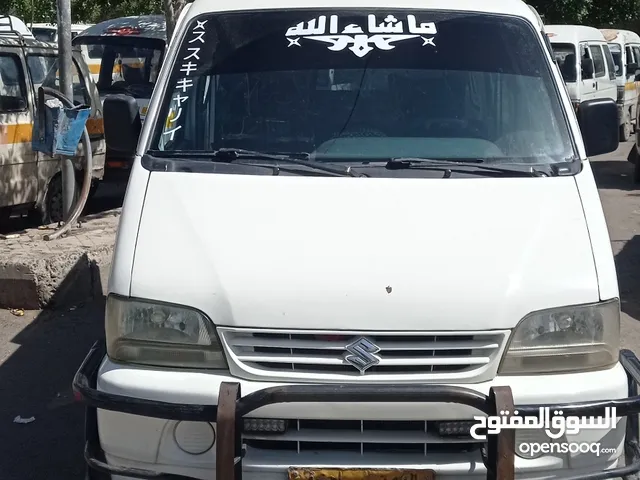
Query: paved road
[[40, 352]]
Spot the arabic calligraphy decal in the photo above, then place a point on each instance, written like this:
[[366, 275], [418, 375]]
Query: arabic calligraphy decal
[[378, 35]]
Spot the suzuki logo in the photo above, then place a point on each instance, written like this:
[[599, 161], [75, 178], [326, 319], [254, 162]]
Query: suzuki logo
[[362, 354]]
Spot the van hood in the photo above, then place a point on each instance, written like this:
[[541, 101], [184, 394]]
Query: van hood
[[363, 253]]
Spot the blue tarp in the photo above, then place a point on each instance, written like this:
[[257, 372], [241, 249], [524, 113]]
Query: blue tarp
[[62, 129]]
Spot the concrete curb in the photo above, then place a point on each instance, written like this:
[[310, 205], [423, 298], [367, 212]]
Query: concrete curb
[[36, 274], [55, 280]]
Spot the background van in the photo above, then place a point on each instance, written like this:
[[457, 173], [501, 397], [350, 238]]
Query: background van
[[625, 48], [585, 62]]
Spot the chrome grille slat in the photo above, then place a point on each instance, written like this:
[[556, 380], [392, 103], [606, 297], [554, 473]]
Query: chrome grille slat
[[272, 358], [321, 354], [291, 344]]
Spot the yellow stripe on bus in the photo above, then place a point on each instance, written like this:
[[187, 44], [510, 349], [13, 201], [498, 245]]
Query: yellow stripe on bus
[[15, 133], [94, 68], [23, 132]]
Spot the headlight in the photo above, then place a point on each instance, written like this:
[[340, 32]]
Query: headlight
[[152, 333], [563, 340]]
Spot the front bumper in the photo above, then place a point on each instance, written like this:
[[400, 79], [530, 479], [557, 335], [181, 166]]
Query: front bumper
[[498, 454]]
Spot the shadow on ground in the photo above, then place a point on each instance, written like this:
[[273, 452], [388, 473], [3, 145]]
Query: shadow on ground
[[614, 174], [36, 382], [628, 268]]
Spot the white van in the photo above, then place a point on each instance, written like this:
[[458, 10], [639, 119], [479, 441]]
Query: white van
[[625, 48], [585, 62], [349, 229], [48, 32]]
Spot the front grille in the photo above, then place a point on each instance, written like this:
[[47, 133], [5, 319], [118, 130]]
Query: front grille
[[362, 437], [324, 353]]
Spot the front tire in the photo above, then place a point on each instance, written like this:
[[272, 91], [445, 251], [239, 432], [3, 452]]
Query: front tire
[[51, 210]]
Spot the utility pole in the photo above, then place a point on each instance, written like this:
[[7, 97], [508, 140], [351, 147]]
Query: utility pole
[[65, 67]]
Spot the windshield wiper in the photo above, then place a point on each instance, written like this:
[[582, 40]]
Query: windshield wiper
[[233, 154], [459, 166]]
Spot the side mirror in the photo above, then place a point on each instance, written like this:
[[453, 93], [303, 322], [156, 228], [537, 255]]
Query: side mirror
[[587, 68], [598, 120], [122, 124]]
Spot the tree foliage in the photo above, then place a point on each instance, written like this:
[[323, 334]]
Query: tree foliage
[[598, 13]]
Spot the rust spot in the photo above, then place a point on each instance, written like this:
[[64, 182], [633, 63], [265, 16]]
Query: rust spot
[[389, 289]]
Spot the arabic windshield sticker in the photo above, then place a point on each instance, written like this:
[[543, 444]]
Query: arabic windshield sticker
[[381, 35], [189, 64]]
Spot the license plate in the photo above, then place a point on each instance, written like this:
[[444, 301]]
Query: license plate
[[359, 474]]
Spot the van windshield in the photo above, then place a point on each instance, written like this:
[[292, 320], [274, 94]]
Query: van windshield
[[128, 66], [565, 55], [344, 84], [44, 34]]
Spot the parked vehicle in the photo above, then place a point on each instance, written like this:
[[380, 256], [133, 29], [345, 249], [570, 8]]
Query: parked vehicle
[[625, 48], [30, 181], [585, 62], [13, 26], [48, 32], [346, 225], [124, 56]]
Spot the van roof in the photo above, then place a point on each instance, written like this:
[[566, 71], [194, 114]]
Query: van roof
[[621, 37], [504, 7], [141, 26], [11, 26], [75, 27], [573, 34]]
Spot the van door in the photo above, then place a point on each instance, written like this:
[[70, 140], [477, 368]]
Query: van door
[[588, 83], [18, 168], [43, 68], [605, 87]]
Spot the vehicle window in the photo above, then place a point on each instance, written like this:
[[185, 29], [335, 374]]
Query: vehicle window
[[610, 64], [636, 55], [630, 56], [125, 67], [12, 84], [616, 53], [95, 51], [598, 60], [43, 70], [565, 55], [44, 34], [272, 81]]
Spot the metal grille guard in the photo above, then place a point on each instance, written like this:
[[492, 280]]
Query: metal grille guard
[[499, 458]]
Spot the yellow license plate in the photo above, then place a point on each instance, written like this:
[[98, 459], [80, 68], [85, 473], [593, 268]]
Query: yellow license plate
[[358, 474]]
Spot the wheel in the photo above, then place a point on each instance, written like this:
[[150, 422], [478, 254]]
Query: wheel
[[636, 171], [93, 189], [625, 129], [51, 210]]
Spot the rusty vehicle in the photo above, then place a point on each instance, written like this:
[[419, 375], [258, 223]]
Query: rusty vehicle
[[30, 181]]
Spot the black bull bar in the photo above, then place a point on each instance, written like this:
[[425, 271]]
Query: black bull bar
[[232, 407]]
